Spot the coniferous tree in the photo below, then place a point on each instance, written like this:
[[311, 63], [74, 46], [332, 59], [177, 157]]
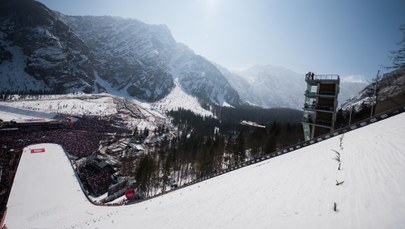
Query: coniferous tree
[[240, 148], [144, 173], [135, 134], [270, 145], [145, 132], [127, 164]]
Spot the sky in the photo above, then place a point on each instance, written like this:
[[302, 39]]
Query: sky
[[345, 37]]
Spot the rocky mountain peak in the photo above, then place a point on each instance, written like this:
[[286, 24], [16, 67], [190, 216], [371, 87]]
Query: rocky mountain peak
[[127, 57]]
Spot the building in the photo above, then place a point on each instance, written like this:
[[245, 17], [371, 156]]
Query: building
[[320, 104]]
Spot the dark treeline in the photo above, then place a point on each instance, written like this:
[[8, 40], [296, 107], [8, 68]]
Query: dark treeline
[[257, 114], [229, 119]]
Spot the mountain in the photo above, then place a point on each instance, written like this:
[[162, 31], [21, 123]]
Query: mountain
[[62, 54], [271, 86], [241, 85], [274, 86], [126, 56], [39, 52], [128, 48]]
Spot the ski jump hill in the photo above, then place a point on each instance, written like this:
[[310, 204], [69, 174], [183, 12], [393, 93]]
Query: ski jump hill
[[351, 180]]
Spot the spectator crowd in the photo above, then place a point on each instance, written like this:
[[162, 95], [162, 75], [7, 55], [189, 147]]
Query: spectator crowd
[[94, 180], [79, 140]]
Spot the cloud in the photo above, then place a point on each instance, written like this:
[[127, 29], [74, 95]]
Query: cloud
[[353, 79]]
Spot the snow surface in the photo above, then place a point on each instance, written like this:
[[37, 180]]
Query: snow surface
[[68, 104], [225, 104], [177, 98], [109, 88], [295, 190], [10, 113]]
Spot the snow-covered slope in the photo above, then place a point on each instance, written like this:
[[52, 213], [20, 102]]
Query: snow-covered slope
[[101, 105], [8, 113], [295, 190], [180, 99]]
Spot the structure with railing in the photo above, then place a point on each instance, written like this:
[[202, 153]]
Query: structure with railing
[[320, 104]]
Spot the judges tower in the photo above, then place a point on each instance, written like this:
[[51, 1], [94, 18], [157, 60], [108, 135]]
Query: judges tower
[[320, 104]]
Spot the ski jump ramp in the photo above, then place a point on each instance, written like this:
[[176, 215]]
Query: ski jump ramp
[[45, 189]]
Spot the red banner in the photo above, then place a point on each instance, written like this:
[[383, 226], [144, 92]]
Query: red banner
[[41, 150], [130, 193]]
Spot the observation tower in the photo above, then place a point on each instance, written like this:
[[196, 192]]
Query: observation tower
[[320, 104]]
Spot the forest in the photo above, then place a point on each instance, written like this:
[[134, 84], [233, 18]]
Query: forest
[[205, 145]]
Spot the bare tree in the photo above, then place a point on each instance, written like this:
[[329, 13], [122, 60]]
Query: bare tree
[[398, 56], [375, 83]]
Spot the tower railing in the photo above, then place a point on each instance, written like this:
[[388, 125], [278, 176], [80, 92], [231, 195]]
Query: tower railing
[[332, 77]]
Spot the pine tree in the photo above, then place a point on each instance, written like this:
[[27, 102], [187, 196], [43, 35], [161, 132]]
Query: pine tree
[[145, 132], [240, 147], [270, 145], [144, 173], [127, 164]]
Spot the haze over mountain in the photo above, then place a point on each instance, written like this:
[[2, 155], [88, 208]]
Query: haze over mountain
[[272, 86]]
